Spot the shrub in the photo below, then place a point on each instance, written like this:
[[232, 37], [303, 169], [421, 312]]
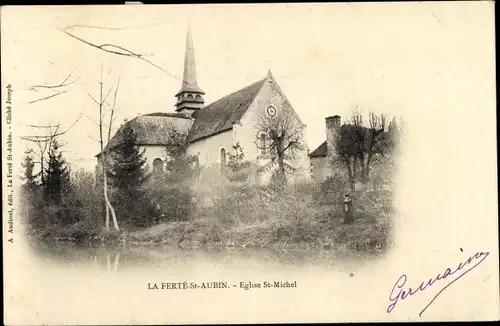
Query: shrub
[[171, 201], [332, 190]]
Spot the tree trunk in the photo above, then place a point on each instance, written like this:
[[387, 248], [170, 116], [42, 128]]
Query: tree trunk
[[41, 170], [105, 193], [281, 158], [104, 165], [350, 171], [363, 171], [354, 171], [108, 203], [367, 167], [281, 166], [109, 207]]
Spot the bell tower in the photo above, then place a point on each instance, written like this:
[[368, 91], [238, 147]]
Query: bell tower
[[190, 96]]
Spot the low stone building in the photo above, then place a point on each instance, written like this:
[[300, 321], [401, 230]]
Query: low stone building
[[322, 157], [370, 148]]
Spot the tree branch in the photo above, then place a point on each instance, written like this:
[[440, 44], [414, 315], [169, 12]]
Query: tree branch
[[111, 118], [62, 84], [112, 49], [46, 98]]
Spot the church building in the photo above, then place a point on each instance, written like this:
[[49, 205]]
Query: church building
[[212, 130]]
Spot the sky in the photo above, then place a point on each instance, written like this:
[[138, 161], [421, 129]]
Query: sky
[[421, 62]]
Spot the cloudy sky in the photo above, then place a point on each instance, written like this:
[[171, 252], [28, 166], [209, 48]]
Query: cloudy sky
[[421, 62]]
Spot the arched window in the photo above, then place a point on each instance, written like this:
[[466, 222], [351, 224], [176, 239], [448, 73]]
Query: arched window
[[262, 144], [223, 157], [157, 166]]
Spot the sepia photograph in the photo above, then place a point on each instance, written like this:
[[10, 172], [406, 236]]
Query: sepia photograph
[[173, 164]]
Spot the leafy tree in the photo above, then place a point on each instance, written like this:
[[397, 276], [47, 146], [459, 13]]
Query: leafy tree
[[83, 205], [128, 173], [171, 191], [384, 166], [180, 167]]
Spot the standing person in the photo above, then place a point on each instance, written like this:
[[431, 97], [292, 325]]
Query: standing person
[[348, 219]]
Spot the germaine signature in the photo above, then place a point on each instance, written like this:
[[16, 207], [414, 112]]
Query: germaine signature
[[398, 292]]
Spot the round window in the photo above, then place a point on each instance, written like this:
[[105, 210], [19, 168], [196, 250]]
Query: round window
[[271, 111]]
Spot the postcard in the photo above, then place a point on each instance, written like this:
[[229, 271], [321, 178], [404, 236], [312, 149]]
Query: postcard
[[249, 163]]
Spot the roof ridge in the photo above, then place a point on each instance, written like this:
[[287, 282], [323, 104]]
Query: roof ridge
[[240, 90], [166, 115], [219, 115], [321, 150]]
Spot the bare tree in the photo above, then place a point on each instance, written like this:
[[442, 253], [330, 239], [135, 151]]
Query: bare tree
[[50, 132], [360, 143], [370, 141], [104, 156], [62, 84], [44, 142], [280, 136], [56, 89]]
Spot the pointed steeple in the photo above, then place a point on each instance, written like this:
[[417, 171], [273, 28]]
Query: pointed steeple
[[190, 96]]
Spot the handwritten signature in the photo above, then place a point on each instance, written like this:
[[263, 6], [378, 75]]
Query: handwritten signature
[[473, 260]]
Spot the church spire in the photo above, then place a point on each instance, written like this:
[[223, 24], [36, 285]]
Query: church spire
[[190, 96]]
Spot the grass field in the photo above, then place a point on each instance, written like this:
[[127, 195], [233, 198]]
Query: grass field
[[307, 218]]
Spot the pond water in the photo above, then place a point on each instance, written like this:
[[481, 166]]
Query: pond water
[[69, 284], [115, 258]]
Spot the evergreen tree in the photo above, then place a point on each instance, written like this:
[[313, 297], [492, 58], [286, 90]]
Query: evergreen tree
[[128, 173], [237, 172], [55, 189], [56, 182], [29, 177], [29, 192], [237, 167]]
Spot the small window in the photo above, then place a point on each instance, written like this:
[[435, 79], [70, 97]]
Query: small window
[[223, 157], [262, 144], [157, 166]]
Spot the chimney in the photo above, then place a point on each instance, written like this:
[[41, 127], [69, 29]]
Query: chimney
[[332, 133]]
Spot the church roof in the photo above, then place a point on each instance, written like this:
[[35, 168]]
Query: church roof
[[152, 129], [221, 114]]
